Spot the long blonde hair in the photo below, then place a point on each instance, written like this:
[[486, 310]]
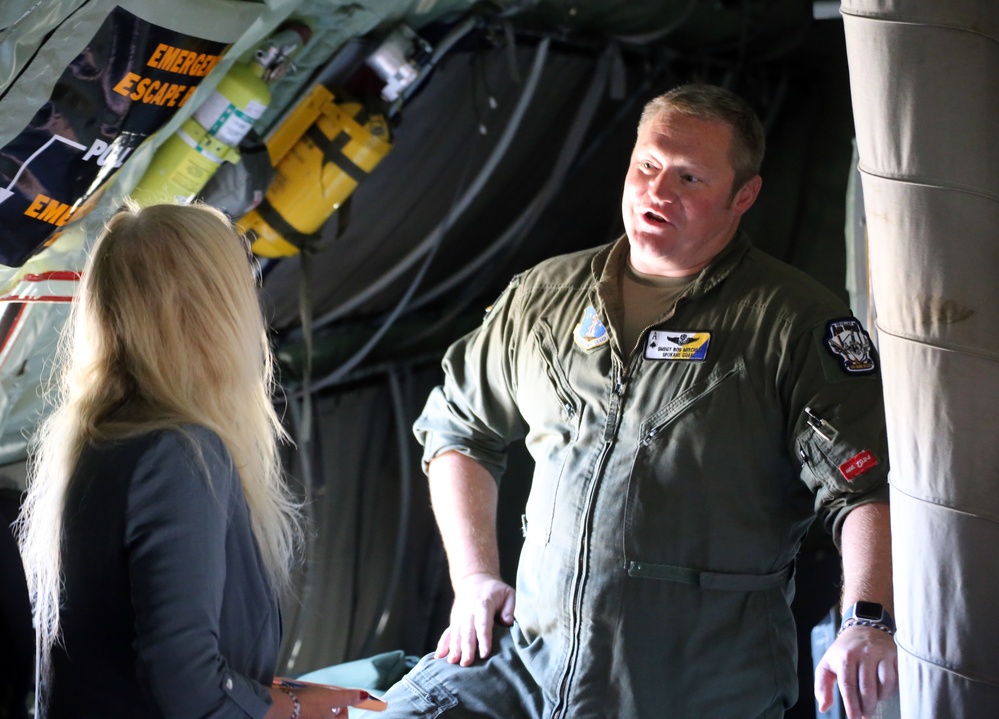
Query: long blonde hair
[[166, 330]]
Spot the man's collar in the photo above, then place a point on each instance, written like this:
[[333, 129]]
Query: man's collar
[[608, 263], [722, 265]]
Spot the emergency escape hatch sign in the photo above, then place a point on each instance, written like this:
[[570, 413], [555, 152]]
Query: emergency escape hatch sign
[[126, 84]]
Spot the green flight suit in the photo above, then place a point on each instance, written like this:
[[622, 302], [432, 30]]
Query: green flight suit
[[674, 483]]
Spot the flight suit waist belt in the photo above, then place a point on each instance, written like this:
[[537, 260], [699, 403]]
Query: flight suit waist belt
[[710, 580]]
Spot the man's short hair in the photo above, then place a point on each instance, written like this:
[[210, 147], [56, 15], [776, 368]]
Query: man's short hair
[[710, 102]]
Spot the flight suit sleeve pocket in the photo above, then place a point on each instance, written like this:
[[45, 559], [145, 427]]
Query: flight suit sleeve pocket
[[840, 462], [842, 466]]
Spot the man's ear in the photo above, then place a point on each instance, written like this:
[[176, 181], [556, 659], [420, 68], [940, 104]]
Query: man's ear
[[747, 194]]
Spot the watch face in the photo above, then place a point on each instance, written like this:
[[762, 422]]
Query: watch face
[[869, 610]]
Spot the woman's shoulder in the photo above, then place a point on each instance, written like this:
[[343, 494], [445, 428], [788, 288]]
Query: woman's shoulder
[[184, 449], [181, 439]]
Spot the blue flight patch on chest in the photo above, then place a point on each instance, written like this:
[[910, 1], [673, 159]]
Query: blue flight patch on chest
[[677, 346], [590, 333], [849, 342]]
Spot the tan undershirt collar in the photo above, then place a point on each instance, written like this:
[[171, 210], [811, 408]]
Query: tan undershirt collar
[[645, 299]]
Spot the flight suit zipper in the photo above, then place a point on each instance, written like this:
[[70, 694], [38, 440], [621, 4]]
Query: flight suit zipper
[[611, 427]]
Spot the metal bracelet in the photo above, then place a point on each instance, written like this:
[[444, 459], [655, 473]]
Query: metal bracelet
[[296, 706], [854, 622]]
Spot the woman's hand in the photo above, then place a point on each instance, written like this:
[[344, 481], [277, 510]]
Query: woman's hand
[[315, 701], [319, 701]]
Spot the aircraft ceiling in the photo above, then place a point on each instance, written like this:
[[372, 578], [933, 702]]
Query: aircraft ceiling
[[508, 145]]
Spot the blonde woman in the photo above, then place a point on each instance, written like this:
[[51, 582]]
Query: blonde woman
[[157, 532]]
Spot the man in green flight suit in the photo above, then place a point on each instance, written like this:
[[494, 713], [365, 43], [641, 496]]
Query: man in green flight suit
[[692, 405]]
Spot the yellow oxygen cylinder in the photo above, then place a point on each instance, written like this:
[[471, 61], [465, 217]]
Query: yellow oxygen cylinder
[[321, 153], [185, 162]]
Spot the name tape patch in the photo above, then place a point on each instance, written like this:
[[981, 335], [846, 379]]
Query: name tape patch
[[849, 342], [857, 465], [677, 346], [590, 333]]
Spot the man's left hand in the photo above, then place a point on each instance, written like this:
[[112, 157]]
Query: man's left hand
[[864, 662]]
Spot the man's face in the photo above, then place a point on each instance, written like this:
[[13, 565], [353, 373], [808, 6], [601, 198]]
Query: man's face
[[679, 210]]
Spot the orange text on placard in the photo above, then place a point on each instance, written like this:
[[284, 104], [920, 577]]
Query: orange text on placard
[[182, 62], [48, 210], [153, 92]]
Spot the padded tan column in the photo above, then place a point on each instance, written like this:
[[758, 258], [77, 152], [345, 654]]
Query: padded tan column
[[925, 83]]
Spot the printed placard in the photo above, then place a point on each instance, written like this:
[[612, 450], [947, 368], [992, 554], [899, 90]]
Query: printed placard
[[126, 83]]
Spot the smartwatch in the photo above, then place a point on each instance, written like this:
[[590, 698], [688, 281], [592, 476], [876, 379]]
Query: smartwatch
[[868, 614]]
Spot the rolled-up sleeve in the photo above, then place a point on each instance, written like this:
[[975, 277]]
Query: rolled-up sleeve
[[475, 412], [838, 428]]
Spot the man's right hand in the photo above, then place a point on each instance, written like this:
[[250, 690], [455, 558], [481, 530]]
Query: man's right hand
[[479, 601]]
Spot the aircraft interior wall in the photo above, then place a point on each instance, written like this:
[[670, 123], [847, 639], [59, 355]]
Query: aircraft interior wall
[[801, 218], [409, 263]]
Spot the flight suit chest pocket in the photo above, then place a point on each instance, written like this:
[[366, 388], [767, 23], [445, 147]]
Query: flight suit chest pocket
[[552, 410], [696, 467], [676, 406], [560, 409]]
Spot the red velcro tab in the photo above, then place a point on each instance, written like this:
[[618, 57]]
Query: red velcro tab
[[858, 464]]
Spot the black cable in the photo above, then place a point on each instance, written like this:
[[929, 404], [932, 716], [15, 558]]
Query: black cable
[[311, 535], [436, 237], [657, 35], [459, 207], [514, 235], [384, 608]]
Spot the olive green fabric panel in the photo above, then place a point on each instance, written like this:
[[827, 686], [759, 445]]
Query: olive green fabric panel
[[688, 24]]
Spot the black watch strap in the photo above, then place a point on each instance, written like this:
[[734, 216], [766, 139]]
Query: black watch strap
[[868, 614]]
